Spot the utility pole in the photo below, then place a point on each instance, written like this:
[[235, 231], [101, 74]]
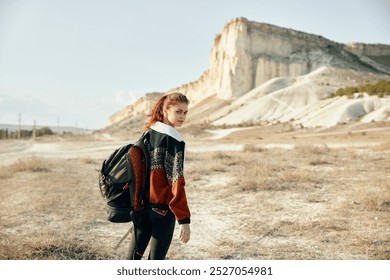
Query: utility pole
[[34, 130], [58, 125], [20, 125]]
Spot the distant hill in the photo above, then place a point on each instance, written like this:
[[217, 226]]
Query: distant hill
[[261, 73], [55, 129]]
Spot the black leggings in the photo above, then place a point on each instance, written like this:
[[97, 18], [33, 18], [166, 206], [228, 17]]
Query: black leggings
[[157, 229]]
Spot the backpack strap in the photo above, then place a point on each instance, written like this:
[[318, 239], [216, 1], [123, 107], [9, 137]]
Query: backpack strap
[[143, 145]]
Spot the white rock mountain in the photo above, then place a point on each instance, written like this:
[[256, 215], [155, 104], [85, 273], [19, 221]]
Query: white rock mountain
[[260, 72]]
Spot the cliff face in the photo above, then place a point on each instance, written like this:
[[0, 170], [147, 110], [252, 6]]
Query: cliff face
[[141, 106], [249, 54], [375, 55]]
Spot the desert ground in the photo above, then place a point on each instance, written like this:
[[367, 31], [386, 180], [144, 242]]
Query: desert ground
[[257, 192]]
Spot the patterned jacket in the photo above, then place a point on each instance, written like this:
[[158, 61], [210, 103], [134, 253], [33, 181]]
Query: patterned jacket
[[166, 172]]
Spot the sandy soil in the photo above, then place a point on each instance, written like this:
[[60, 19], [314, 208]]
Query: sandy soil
[[227, 222]]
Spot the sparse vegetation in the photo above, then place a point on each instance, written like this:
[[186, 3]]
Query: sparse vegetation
[[25, 134], [380, 89], [51, 248], [319, 195], [33, 164], [311, 201]]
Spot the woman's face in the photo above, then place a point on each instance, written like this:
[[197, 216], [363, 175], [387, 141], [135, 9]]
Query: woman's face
[[175, 114]]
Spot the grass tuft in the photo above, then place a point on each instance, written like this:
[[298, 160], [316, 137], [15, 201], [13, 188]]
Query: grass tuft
[[33, 164]]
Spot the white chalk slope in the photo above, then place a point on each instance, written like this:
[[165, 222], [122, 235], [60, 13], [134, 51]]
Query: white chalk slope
[[305, 100]]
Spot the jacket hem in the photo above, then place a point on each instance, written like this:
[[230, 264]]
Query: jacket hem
[[184, 221]]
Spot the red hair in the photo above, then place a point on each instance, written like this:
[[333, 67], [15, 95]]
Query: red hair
[[157, 112]]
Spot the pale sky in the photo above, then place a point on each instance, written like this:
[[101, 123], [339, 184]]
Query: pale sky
[[80, 61]]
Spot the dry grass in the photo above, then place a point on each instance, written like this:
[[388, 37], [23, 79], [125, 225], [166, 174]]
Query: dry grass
[[33, 164], [375, 201], [52, 210], [50, 247], [310, 202]]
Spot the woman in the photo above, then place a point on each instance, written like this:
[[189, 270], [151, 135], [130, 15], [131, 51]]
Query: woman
[[167, 197]]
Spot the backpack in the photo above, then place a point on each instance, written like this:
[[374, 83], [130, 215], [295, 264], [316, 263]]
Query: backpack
[[124, 181]]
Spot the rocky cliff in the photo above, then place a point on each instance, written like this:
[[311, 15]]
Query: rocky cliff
[[141, 106], [248, 54]]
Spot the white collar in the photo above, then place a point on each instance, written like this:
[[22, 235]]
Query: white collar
[[167, 129]]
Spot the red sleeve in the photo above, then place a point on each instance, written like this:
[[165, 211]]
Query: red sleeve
[[178, 203]]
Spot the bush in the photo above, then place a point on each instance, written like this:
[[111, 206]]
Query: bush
[[380, 89], [43, 131]]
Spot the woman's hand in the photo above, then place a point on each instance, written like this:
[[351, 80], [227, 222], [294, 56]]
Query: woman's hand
[[184, 233]]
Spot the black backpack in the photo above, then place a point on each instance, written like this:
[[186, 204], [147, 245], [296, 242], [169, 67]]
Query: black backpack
[[124, 181]]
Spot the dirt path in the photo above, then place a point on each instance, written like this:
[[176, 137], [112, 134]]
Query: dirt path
[[11, 151], [209, 223]]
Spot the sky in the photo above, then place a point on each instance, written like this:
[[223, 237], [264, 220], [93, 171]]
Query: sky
[[77, 62]]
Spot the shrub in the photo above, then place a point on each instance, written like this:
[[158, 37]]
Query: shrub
[[380, 89]]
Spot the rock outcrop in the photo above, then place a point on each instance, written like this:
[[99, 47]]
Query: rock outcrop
[[141, 106], [247, 55]]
